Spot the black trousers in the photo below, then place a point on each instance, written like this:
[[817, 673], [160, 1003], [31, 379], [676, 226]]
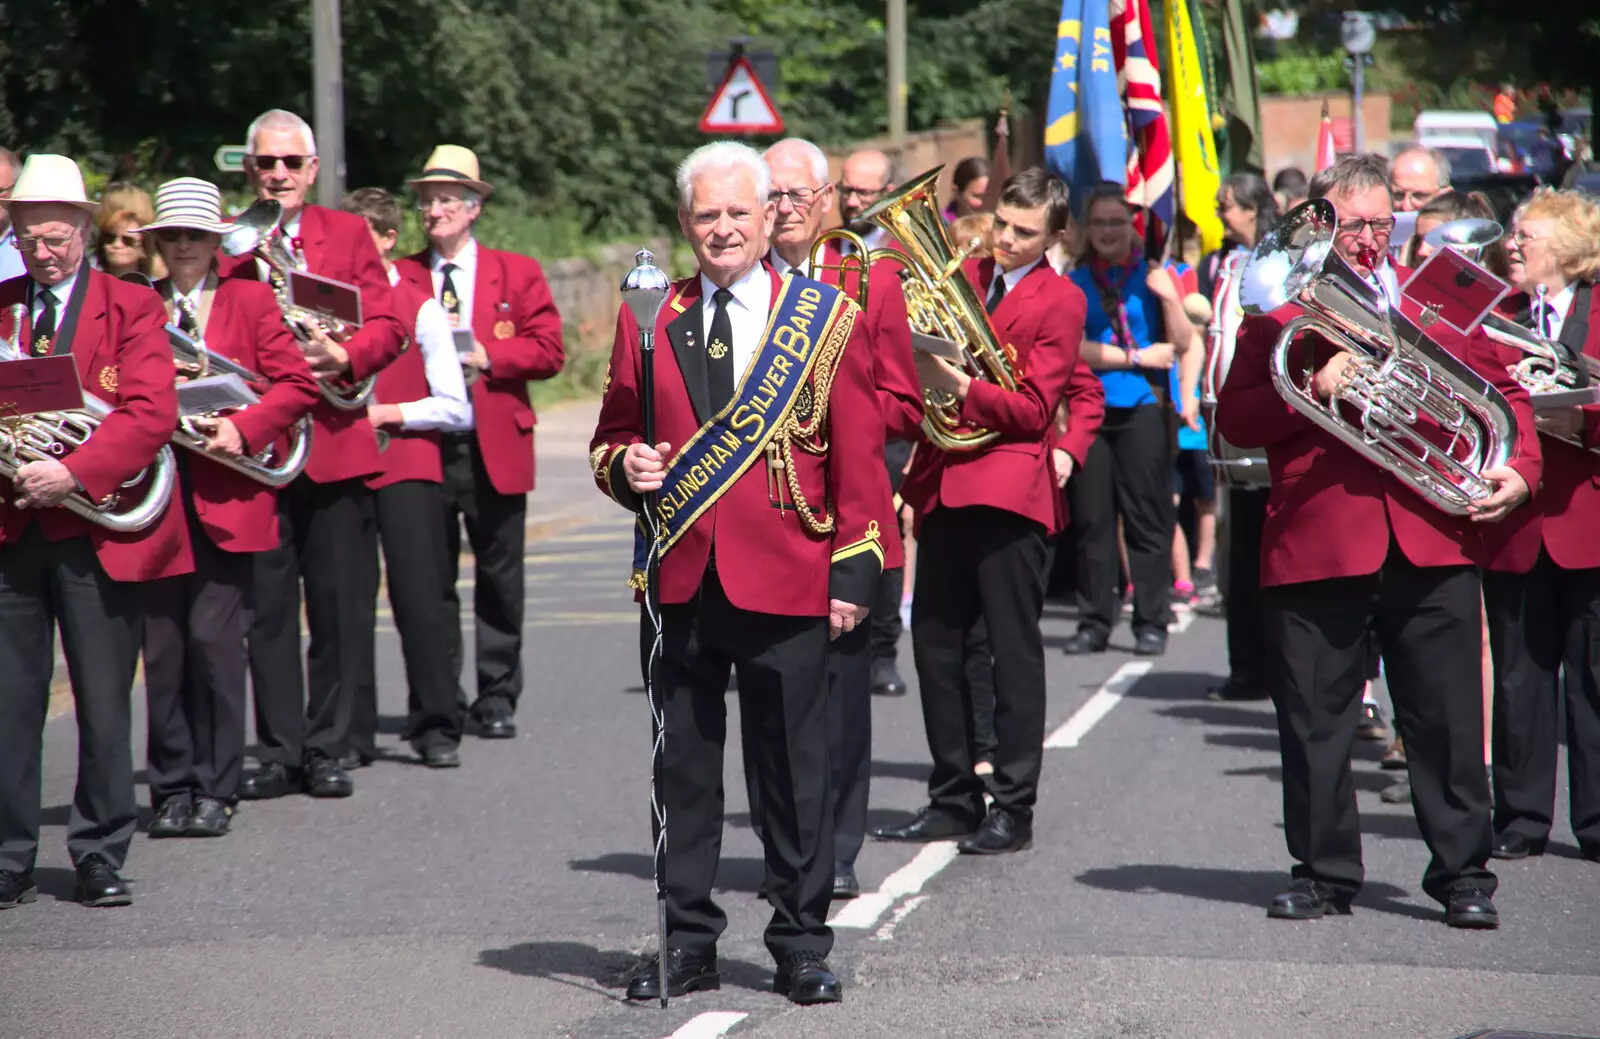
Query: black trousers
[[1539, 623], [328, 541], [1128, 472], [195, 627], [782, 669], [1427, 622], [885, 616], [981, 564], [45, 584], [1247, 515], [411, 529], [496, 529]]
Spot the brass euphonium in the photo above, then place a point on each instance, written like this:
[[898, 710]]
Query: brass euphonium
[[52, 435], [268, 466], [251, 233], [940, 302], [1421, 414]]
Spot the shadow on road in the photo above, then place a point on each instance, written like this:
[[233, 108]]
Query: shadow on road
[[733, 873], [1224, 714], [1238, 886], [1365, 780], [1174, 685]]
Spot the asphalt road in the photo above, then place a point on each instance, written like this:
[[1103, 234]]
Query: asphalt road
[[511, 897]]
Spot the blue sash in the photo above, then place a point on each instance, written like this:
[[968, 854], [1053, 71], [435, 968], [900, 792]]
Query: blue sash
[[804, 326]]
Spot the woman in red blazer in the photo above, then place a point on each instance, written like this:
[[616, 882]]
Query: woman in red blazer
[[196, 624], [1542, 585]]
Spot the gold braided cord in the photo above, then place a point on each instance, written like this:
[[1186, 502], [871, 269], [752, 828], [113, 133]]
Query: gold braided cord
[[812, 435]]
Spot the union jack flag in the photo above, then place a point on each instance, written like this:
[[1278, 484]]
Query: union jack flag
[[1150, 167]]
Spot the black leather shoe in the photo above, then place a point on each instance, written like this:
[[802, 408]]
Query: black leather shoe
[[1471, 909], [99, 886], [441, 757], [1150, 644], [1084, 641], [494, 723], [1236, 692], [1308, 900], [686, 972], [1002, 831], [172, 819], [886, 681], [930, 824], [271, 780], [327, 778], [845, 884], [211, 818], [354, 759], [16, 889], [1371, 726], [1513, 845], [806, 979]]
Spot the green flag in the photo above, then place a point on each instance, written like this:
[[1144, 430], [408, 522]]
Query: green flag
[[1240, 100]]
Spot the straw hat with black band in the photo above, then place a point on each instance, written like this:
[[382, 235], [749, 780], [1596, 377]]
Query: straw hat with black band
[[453, 164]]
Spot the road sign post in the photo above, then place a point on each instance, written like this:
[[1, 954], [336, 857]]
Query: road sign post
[[230, 158]]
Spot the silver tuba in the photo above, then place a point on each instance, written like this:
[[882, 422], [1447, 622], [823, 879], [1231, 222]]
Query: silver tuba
[[1234, 466], [1419, 413], [251, 233], [269, 466]]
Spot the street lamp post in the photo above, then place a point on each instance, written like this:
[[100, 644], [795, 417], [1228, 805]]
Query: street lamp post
[[328, 91]]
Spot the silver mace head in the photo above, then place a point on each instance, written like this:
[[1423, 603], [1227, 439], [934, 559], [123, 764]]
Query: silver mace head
[[251, 226], [645, 289]]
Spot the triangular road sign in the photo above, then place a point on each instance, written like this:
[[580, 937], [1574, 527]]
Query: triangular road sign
[[741, 104]]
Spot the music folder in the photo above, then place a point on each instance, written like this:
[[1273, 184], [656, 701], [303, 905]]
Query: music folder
[[215, 393], [325, 296], [1456, 290], [30, 385], [939, 347], [1565, 398], [465, 343]]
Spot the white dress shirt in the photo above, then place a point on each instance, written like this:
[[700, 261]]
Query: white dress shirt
[[747, 315], [783, 266], [1555, 316], [195, 296], [446, 408], [291, 231], [62, 291], [11, 265], [1013, 276]]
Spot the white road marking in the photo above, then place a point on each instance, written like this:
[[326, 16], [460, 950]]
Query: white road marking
[[1182, 619], [709, 1025], [885, 933], [862, 913], [1099, 705]]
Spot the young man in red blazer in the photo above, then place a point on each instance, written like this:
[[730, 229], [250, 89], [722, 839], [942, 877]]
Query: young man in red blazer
[[760, 577], [56, 568], [1348, 547], [984, 517], [417, 398], [195, 626], [488, 468], [328, 539]]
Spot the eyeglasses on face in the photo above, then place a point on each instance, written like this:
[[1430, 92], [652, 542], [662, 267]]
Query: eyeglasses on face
[[1523, 238], [848, 189], [265, 163], [447, 203], [127, 239], [1421, 198], [173, 234], [800, 198], [1381, 225], [54, 243]]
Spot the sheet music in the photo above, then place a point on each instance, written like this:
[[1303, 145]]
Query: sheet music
[[949, 350], [464, 341], [215, 393]]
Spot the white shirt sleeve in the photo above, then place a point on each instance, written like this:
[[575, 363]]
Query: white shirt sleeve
[[447, 409]]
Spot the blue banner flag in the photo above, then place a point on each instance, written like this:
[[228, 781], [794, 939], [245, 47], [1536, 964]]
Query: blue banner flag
[[1086, 136]]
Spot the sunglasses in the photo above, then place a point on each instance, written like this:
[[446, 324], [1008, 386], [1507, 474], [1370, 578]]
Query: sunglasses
[[173, 234], [265, 163], [129, 241]]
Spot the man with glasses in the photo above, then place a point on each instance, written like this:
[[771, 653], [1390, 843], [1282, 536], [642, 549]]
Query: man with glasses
[[505, 302], [1347, 549], [10, 259], [327, 530], [1417, 175], [866, 177]]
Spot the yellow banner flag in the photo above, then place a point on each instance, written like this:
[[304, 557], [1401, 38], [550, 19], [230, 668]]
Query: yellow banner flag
[[1192, 142]]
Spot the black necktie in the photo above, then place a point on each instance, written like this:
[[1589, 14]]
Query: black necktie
[[447, 294], [186, 321], [997, 291], [45, 331], [719, 352], [1540, 316]]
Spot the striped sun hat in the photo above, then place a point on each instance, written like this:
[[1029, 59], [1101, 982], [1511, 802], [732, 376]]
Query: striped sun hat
[[188, 202]]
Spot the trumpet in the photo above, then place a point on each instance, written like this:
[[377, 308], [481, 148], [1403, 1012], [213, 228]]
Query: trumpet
[[250, 233], [269, 466], [1421, 414]]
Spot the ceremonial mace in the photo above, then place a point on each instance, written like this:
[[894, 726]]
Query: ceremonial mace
[[644, 291]]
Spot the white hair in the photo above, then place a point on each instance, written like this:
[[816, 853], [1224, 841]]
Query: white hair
[[280, 119], [1441, 161], [814, 155], [722, 155]]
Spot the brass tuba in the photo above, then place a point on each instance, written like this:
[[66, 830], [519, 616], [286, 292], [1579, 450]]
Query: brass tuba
[[269, 466], [1424, 416], [940, 302], [251, 233]]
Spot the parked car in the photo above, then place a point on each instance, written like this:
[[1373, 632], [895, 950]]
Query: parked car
[[1434, 125], [1469, 156]]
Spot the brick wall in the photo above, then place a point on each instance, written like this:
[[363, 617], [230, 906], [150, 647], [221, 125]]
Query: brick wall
[[1289, 126]]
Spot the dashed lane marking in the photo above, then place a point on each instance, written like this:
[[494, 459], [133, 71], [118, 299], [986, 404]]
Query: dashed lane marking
[[1099, 705], [863, 913], [709, 1025], [1182, 620]]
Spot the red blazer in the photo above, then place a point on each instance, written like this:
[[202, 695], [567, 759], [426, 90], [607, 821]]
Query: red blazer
[[124, 359], [338, 245], [1331, 512], [246, 326], [766, 561], [411, 454], [1567, 505], [515, 318], [1042, 319], [1086, 410]]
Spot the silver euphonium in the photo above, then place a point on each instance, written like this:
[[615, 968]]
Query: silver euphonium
[[1419, 413], [251, 233], [1234, 466], [269, 466]]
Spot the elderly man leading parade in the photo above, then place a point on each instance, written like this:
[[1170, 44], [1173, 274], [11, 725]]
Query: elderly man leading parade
[[772, 487]]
